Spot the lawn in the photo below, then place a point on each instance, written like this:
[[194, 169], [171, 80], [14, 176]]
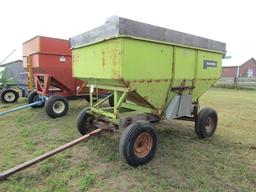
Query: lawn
[[225, 162]]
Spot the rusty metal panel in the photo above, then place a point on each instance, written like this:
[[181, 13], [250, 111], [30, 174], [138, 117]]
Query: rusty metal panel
[[103, 60]]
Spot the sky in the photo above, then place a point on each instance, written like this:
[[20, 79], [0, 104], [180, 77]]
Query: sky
[[232, 22]]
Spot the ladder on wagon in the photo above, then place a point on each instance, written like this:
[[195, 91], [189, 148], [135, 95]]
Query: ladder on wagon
[[30, 74]]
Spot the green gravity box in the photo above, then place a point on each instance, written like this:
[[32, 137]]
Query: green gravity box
[[154, 63]]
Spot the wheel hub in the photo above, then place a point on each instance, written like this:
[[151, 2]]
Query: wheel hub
[[89, 123], [58, 107], [143, 145], [36, 98], [9, 96]]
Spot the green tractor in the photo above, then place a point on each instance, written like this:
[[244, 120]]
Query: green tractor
[[12, 82]]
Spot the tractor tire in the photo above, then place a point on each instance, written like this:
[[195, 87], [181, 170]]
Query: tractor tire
[[138, 143], [111, 101], [34, 97], [206, 122], [84, 122], [87, 98], [9, 96], [56, 106]]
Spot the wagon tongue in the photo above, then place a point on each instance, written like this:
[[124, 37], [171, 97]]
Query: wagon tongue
[[22, 107], [4, 175]]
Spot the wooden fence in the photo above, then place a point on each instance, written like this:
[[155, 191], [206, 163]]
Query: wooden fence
[[238, 82]]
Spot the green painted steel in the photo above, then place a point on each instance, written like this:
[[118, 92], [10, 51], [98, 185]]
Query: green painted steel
[[2, 74], [3, 77], [104, 60], [149, 68]]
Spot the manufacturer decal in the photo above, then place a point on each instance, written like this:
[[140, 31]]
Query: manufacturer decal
[[208, 63], [62, 59]]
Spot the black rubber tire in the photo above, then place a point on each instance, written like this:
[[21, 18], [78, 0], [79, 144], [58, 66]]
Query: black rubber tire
[[111, 101], [33, 96], [127, 140], [84, 122], [201, 122], [53, 102], [6, 91], [87, 98]]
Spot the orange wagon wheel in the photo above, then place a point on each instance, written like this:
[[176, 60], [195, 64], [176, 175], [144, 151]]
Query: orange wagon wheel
[[138, 143]]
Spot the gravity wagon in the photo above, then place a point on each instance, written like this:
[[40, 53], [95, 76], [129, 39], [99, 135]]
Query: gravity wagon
[[153, 73]]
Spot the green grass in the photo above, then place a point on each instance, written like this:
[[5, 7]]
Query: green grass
[[225, 162], [87, 181]]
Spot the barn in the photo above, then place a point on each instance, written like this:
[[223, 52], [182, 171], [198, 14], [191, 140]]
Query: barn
[[247, 69]]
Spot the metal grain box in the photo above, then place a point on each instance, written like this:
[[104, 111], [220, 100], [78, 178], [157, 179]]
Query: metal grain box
[[50, 56], [146, 58]]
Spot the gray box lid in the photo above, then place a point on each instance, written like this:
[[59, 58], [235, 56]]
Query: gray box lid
[[117, 26]]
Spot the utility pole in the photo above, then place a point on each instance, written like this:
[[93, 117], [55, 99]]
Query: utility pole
[[7, 57]]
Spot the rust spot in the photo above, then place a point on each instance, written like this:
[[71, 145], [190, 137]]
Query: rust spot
[[193, 85], [128, 121], [116, 64], [127, 83], [103, 59], [155, 80], [183, 83]]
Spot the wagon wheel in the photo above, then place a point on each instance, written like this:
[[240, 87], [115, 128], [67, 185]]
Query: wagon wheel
[[84, 122], [206, 122], [111, 101], [34, 97], [138, 143], [9, 96], [56, 106], [87, 98]]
